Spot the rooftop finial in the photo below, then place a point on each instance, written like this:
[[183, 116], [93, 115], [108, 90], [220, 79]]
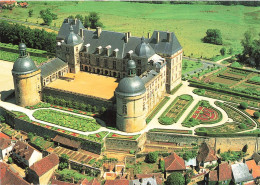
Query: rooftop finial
[[142, 39], [22, 50], [71, 28]]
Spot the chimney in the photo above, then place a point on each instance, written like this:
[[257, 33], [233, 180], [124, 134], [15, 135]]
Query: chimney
[[99, 49], [62, 41], [58, 43], [75, 21], [129, 34], [98, 30], [157, 37], [169, 37], [87, 47], [108, 48], [126, 37], [149, 35], [66, 20], [81, 33], [129, 54], [115, 52]]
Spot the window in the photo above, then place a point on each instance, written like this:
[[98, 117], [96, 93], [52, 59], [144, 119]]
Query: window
[[138, 72], [97, 60], [124, 109], [114, 64], [105, 63], [77, 49], [67, 49], [139, 62]]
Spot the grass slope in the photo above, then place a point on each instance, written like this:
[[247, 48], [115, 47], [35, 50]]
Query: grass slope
[[189, 22]]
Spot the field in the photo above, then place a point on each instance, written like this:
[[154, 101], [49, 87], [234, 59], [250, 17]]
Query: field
[[189, 22], [189, 65], [67, 120]]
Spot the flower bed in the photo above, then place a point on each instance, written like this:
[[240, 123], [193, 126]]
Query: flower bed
[[67, 120], [175, 110], [202, 113], [21, 115], [171, 131], [114, 135]]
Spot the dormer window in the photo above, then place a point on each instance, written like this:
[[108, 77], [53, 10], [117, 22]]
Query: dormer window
[[108, 48], [99, 49], [129, 54], [115, 52]]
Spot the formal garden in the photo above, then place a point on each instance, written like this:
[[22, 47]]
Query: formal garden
[[175, 110], [240, 122], [67, 120], [202, 113], [175, 131], [39, 142]]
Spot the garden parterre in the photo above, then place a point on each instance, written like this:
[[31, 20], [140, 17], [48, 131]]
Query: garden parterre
[[67, 120]]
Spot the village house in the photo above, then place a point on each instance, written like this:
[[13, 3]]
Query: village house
[[254, 169], [222, 173], [25, 154], [157, 176], [241, 173], [206, 155], [113, 170], [6, 146], [144, 181], [67, 143], [174, 163], [8, 177], [81, 182], [117, 182], [41, 171]]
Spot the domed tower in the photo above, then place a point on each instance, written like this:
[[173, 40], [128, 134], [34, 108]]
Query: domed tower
[[27, 79], [144, 50], [69, 49], [130, 101]]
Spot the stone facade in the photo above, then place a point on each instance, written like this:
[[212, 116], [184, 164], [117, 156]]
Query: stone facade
[[27, 88]]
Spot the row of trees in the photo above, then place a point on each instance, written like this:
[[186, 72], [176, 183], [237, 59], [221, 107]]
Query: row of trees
[[33, 38], [73, 104], [91, 21]]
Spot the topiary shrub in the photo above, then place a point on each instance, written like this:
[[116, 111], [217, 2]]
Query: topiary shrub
[[243, 105], [242, 126], [132, 152], [166, 120], [257, 114]]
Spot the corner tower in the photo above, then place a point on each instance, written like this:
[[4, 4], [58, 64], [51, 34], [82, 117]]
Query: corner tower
[[130, 101], [27, 79]]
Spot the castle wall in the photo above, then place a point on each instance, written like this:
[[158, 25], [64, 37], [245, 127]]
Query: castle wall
[[99, 102], [27, 88]]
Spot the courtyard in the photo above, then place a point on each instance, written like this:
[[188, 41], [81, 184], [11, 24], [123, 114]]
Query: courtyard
[[88, 84]]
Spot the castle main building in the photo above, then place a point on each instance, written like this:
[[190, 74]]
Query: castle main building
[[127, 74]]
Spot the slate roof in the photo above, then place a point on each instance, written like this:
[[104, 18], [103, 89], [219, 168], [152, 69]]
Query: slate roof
[[45, 164], [256, 157], [8, 177], [117, 182], [4, 143], [23, 149], [158, 177], [52, 66], [255, 168], [149, 76], [66, 141], [241, 173], [143, 181], [174, 163], [65, 28], [117, 41], [206, 153]]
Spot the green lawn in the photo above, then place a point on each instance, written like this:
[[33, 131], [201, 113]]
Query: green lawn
[[67, 174], [189, 65], [189, 22]]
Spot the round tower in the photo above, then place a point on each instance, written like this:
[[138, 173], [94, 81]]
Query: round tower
[[130, 101], [27, 79]]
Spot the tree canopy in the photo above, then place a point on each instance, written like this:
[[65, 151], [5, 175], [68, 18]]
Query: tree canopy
[[48, 16], [175, 178], [213, 36], [151, 157]]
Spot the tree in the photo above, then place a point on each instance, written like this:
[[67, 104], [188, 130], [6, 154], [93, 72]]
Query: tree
[[175, 178], [94, 20], [256, 115], [222, 51], [48, 16], [30, 135], [230, 51], [30, 13], [245, 148], [243, 105], [213, 36], [2, 119], [242, 126], [87, 22], [151, 157], [71, 17], [162, 165], [47, 19], [102, 110], [64, 160], [10, 160], [94, 109], [80, 17]]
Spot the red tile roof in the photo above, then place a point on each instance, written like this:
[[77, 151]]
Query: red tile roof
[[225, 172], [255, 168], [84, 182], [23, 149], [8, 177], [117, 182], [213, 175], [173, 163], [57, 182], [158, 177], [2, 135], [4, 143], [45, 164], [206, 153], [94, 182]]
